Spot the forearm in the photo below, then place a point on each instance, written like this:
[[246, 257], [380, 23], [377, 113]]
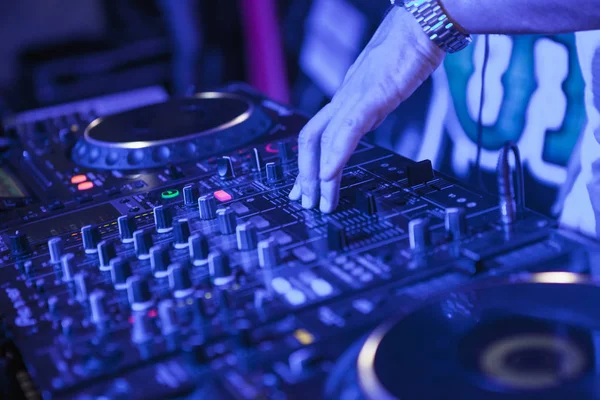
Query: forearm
[[524, 16]]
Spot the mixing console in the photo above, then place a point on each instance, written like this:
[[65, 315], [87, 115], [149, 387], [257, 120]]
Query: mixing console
[[155, 254]]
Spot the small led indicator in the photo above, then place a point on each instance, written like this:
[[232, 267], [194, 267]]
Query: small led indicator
[[170, 194]]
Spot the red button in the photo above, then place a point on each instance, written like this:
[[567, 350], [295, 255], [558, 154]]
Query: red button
[[222, 196], [77, 179], [271, 149], [85, 185]]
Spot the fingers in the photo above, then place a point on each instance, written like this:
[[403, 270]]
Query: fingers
[[330, 194], [309, 142]]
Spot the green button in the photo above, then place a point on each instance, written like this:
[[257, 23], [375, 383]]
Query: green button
[[170, 194]]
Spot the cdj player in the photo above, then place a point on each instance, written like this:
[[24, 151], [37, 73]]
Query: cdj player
[[148, 250]]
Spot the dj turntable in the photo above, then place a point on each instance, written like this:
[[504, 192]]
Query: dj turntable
[[148, 250]]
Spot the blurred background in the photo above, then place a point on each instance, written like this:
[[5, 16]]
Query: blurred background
[[297, 51]]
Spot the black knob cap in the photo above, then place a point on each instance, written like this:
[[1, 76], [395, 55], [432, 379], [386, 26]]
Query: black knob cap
[[163, 219], [246, 236], [167, 315], [336, 236], [90, 236], [181, 233], [285, 152], [456, 223], [160, 259], [81, 287], [120, 272], [138, 293], [55, 248], [142, 240], [126, 228], [365, 202], [226, 220], [19, 244], [219, 268], [180, 281], [106, 252], [257, 161], [67, 262], [207, 206], [190, 195], [225, 168], [268, 253], [418, 234], [274, 172], [198, 249]]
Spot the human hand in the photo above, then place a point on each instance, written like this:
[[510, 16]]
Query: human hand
[[397, 60]]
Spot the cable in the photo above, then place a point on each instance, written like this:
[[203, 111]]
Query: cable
[[486, 56]]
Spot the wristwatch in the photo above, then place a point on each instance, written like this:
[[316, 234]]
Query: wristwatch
[[437, 25]]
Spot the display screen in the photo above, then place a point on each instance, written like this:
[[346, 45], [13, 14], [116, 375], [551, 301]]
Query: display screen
[[10, 187]]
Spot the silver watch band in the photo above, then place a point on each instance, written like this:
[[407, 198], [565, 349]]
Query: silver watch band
[[436, 24]]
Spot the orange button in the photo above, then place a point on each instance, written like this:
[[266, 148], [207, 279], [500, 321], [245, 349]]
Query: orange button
[[77, 179], [85, 185], [222, 196]]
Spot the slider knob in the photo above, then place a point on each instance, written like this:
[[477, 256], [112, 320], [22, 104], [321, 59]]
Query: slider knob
[[268, 253], [337, 238], [257, 161], [180, 281], [285, 152], [207, 207], [219, 268], [274, 172], [81, 287], [160, 259], [167, 317], [190, 194], [142, 239], [106, 252], [225, 168], [67, 262], [55, 248], [198, 246], [141, 330], [138, 293], [126, 228], [456, 223], [163, 219], [419, 235], [90, 236], [98, 307], [181, 233], [226, 220], [19, 243], [120, 272], [246, 236]]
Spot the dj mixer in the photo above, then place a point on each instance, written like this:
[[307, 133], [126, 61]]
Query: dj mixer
[[148, 250]]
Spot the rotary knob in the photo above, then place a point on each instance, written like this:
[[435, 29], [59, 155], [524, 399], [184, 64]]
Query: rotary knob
[[142, 240], [198, 245], [226, 220], [138, 293], [67, 262], [274, 172], [225, 168], [126, 228], [99, 315], [207, 206], [106, 252], [180, 281], [219, 268], [246, 236], [181, 233], [167, 317], [190, 194], [160, 259], [81, 287], [141, 329], [163, 219], [19, 243], [455, 222], [120, 272], [55, 248], [418, 234], [268, 253], [90, 237]]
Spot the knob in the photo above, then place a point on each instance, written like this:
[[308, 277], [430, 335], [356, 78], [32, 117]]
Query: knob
[[66, 326], [160, 259], [268, 253], [99, 315], [285, 152], [67, 262], [142, 239], [225, 168], [163, 219], [418, 234], [181, 233], [337, 239], [274, 172], [53, 306], [141, 330], [55, 248], [90, 237], [219, 268], [456, 223], [226, 220], [190, 194], [207, 206], [246, 236], [301, 361], [126, 228], [120, 272], [198, 249], [138, 293], [106, 252], [365, 202], [81, 287], [257, 161], [19, 243], [198, 308], [180, 281], [167, 317]]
